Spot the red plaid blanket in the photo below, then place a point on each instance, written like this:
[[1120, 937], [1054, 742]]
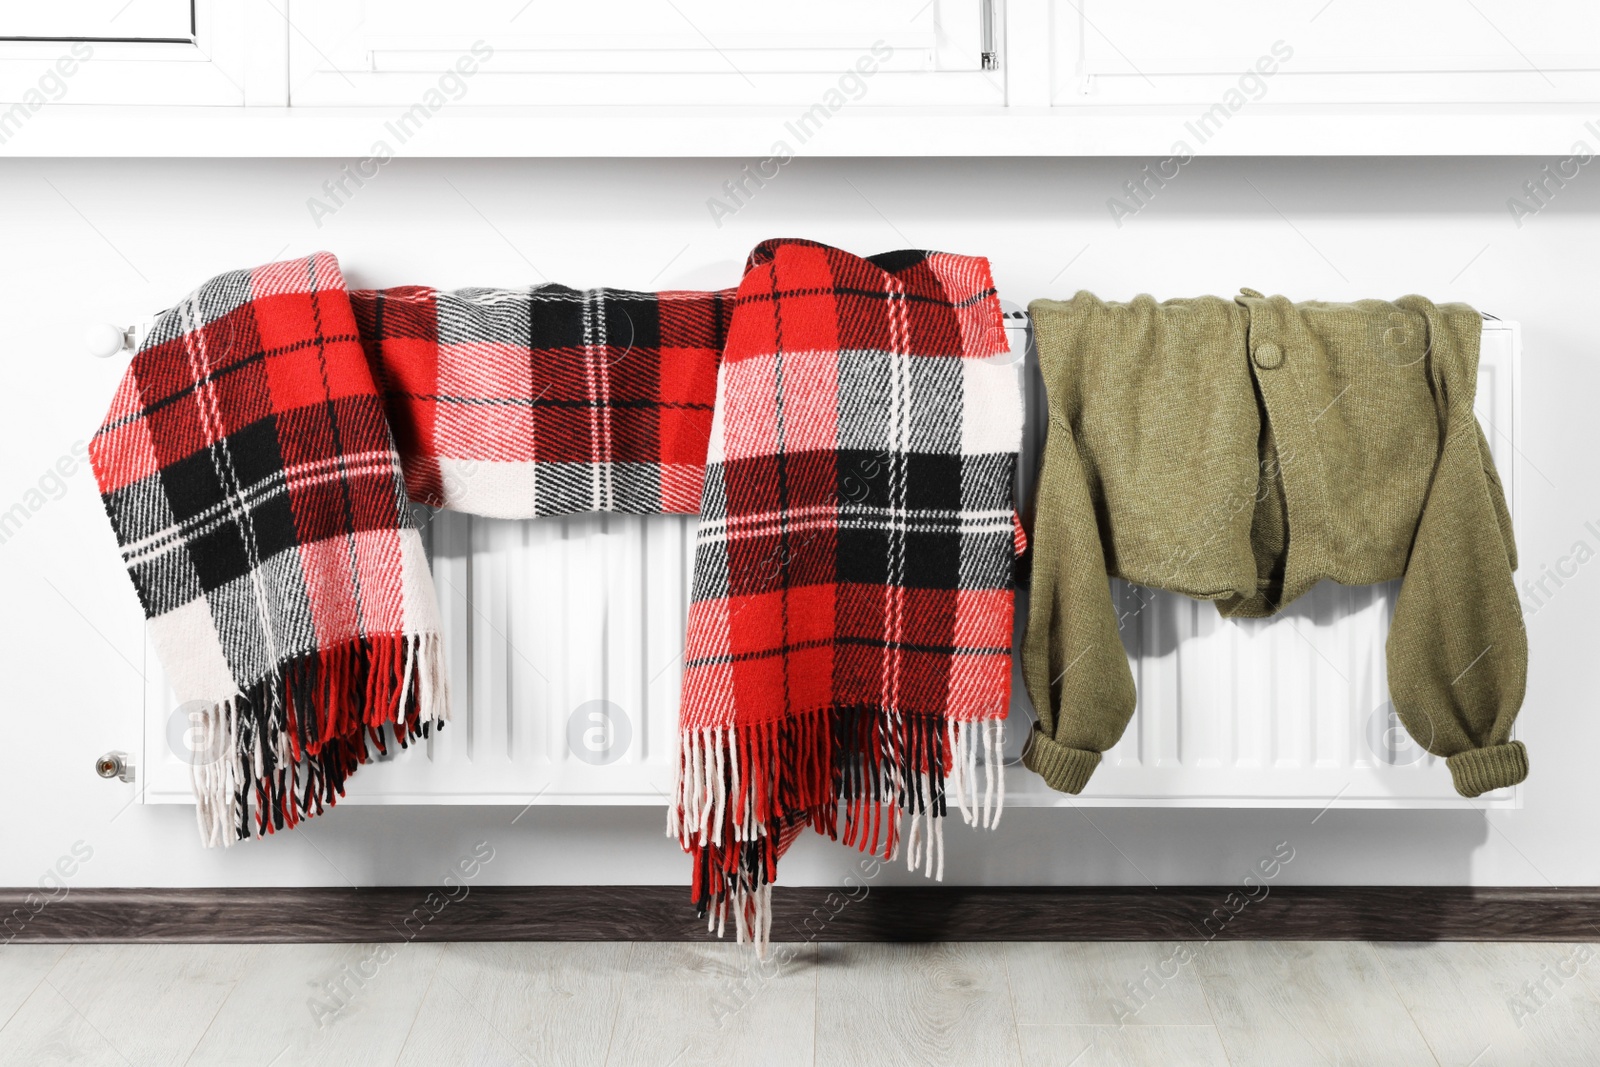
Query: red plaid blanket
[[849, 647], [249, 465], [852, 456], [548, 401]]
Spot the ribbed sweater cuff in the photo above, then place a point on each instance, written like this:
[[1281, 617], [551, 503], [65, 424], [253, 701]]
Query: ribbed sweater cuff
[[1064, 769], [1482, 769]]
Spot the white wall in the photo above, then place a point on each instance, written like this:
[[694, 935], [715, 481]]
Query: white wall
[[93, 241]]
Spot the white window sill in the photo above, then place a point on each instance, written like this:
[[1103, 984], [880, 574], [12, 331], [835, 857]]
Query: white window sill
[[528, 132]]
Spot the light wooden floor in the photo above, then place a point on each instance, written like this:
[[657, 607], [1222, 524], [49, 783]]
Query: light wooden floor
[[1276, 1004]]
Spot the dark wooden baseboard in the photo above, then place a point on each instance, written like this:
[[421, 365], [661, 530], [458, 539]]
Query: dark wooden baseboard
[[662, 913]]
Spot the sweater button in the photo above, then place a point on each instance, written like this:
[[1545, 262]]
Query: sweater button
[[1268, 356]]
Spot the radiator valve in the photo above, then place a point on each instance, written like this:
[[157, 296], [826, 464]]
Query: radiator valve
[[115, 765]]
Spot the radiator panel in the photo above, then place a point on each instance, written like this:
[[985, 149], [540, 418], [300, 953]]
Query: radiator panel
[[565, 639]]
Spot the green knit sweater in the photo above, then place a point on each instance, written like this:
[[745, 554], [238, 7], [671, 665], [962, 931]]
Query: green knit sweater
[[1240, 451]]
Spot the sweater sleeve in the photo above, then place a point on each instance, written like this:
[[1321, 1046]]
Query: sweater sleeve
[[1458, 652], [1073, 662]]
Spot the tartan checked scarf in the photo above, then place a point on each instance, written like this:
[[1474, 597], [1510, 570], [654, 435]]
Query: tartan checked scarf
[[850, 633], [250, 468], [849, 641]]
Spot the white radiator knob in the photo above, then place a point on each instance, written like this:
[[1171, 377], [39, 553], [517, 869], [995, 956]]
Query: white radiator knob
[[105, 340]]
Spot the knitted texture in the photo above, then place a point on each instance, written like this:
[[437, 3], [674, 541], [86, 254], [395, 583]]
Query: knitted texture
[[1064, 769], [250, 469], [1479, 770], [1241, 451], [849, 640]]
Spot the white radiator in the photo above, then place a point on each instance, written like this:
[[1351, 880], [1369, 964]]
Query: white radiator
[[564, 638]]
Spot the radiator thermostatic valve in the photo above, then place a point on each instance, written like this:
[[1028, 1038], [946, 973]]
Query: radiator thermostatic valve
[[104, 340], [115, 765]]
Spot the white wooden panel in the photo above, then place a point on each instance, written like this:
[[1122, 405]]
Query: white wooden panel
[[1172, 51], [99, 19], [624, 35], [145, 54], [565, 639], [651, 52]]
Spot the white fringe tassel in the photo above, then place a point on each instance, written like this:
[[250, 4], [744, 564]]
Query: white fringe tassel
[[700, 804], [224, 777], [963, 741], [216, 768]]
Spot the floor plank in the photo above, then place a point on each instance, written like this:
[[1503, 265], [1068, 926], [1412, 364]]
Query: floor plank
[[1121, 1046], [22, 968], [320, 1004], [150, 1003], [914, 1005], [1328, 1004], [47, 1030], [1105, 982], [690, 1003], [549, 1004], [1500, 1005], [1320, 1003]]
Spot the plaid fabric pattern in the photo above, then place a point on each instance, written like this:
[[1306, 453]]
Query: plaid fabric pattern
[[849, 644], [549, 401], [836, 421], [257, 464], [249, 472]]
